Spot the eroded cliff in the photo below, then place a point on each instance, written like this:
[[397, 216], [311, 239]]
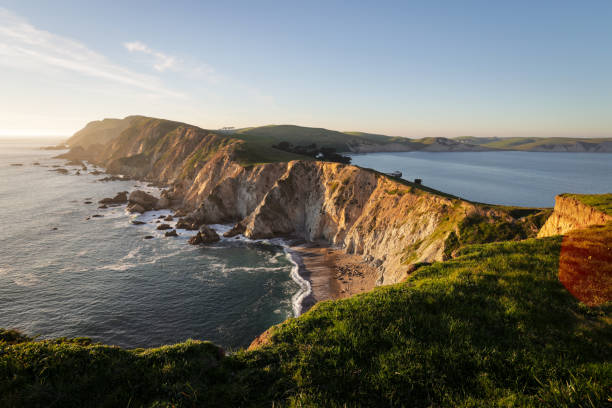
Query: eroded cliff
[[392, 223], [571, 213]]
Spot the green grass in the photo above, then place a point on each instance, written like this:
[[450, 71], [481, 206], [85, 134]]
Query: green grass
[[526, 143], [250, 153], [493, 327], [601, 202], [302, 136], [478, 229]]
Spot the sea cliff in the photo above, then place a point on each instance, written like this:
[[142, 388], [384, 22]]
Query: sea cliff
[[393, 224]]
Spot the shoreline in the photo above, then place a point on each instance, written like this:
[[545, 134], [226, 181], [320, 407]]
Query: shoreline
[[331, 273]]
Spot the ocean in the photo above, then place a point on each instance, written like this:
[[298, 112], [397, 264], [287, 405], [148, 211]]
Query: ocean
[[530, 179], [63, 275]]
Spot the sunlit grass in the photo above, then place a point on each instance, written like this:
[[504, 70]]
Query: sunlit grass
[[493, 327]]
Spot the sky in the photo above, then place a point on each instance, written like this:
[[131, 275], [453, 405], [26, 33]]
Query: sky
[[410, 68]]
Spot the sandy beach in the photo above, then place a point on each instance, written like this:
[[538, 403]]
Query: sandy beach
[[332, 273]]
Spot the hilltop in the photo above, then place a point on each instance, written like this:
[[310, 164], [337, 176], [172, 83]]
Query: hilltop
[[263, 137], [550, 144]]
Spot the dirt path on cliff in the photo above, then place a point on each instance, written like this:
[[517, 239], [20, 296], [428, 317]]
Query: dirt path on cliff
[[332, 273]]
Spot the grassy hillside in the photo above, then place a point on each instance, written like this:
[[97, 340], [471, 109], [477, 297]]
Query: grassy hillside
[[526, 143], [493, 327], [302, 136]]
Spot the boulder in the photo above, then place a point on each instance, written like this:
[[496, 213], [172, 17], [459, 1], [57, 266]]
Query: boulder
[[236, 230], [149, 237], [171, 233], [186, 223], [169, 218], [135, 222], [61, 170], [119, 198], [163, 203], [136, 208], [205, 235], [163, 227], [138, 199]]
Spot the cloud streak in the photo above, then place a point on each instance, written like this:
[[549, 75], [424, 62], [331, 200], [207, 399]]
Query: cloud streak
[[163, 62], [24, 46]]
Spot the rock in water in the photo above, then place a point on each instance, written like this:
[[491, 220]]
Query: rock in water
[[162, 227], [139, 201], [236, 230], [205, 235], [120, 198], [171, 233]]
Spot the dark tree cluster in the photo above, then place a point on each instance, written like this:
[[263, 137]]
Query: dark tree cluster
[[311, 150]]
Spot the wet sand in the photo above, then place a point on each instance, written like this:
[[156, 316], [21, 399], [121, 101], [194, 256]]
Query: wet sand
[[332, 273]]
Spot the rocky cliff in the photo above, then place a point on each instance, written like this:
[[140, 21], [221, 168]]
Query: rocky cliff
[[572, 213], [392, 223]]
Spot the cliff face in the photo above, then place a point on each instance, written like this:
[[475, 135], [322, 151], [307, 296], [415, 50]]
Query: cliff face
[[393, 224], [570, 214]]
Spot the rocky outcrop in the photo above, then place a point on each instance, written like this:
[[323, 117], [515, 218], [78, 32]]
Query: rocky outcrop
[[571, 214], [139, 201], [120, 198], [205, 235]]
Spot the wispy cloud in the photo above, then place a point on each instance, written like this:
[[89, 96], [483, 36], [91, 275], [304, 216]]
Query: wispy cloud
[[163, 62], [24, 46]]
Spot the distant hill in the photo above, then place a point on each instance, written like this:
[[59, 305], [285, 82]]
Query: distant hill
[[100, 131], [262, 138], [358, 142], [535, 144]]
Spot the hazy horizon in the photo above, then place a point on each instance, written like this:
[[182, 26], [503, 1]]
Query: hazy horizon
[[519, 69]]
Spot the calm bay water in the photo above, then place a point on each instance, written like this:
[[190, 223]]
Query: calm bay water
[[510, 178], [99, 277]]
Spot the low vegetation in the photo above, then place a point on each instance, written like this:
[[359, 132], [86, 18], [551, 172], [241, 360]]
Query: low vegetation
[[478, 229], [492, 327], [601, 202]]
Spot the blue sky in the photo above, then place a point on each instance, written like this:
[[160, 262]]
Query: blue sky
[[429, 68]]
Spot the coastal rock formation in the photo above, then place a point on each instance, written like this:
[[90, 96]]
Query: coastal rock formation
[[139, 201], [120, 198], [571, 214], [171, 233], [205, 235], [391, 223]]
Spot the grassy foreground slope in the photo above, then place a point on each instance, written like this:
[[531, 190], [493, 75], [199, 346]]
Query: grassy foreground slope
[[492, 327]]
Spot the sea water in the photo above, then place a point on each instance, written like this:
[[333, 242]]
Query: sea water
[[529, 179], [62, 274]]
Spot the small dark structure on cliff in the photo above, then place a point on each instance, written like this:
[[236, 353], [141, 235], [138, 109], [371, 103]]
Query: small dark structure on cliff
[[418, 181], [397, 174]]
